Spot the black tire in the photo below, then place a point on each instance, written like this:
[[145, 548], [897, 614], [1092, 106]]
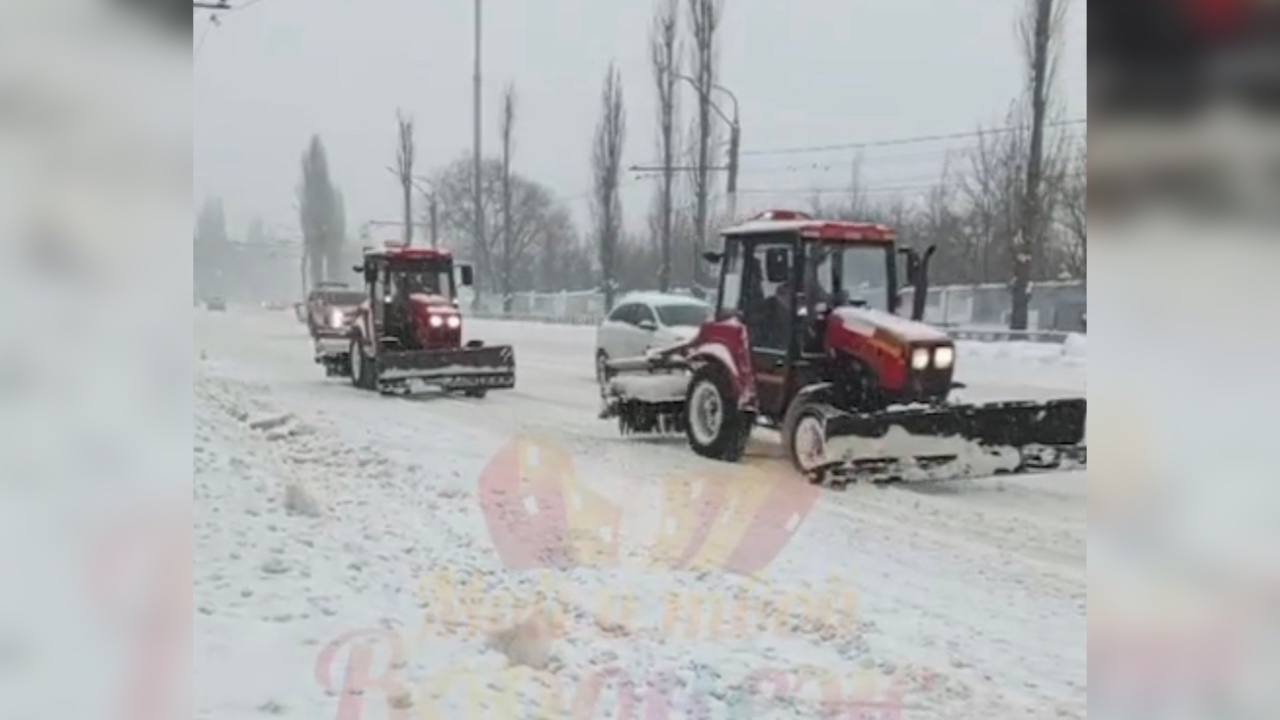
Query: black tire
[[806, 414], [723, 439], [361, 366], [475, 392], [603, 374]]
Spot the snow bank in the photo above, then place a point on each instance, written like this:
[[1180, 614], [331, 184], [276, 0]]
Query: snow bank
[[1076, 346]]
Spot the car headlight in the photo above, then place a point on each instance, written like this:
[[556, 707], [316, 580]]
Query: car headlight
[[435, 321], [943, 357], [335, 318], [920, 358], [454, 322]]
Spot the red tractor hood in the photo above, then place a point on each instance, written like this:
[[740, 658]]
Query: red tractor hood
[[869, 322], [881, 341], [430, 301]]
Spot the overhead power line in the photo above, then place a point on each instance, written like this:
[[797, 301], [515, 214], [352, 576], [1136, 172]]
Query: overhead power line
[[901, 141]]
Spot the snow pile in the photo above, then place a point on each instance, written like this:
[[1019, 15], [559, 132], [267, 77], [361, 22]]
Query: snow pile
[[299, 501], [971, 458], [1076, 346]]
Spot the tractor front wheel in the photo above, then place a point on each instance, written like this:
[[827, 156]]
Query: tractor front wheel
[[714, 424], [361, 366], [804, 436]]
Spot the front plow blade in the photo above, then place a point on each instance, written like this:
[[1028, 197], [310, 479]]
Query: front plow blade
[[646, 402], [468, 368], [956, 441]]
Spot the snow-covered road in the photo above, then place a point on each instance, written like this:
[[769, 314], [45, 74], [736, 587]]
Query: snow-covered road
[[358, 556]]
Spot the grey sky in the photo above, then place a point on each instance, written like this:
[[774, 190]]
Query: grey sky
[[806, 72]]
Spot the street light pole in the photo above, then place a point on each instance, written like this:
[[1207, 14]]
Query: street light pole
[[735, 138]]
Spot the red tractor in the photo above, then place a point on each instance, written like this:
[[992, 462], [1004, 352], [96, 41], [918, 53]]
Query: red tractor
[[805, 338], [408, 330]]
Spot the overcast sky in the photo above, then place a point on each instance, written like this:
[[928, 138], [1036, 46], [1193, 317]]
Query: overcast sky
[[806, 72]]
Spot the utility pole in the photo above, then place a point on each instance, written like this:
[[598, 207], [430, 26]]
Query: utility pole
[[476, 191], [735, 135], [435, 237]]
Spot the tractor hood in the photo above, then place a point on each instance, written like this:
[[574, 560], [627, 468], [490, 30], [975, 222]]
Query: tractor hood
[[884, 343], [430, 301], [436, 321], [869, 322]]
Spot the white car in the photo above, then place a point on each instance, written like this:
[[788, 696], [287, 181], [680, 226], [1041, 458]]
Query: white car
[[644, 321]]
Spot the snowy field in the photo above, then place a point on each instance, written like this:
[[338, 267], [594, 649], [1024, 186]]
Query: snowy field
[[360, 556]]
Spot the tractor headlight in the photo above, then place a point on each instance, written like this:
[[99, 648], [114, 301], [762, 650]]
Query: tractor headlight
[[943, 357], [920, 358], [335, 318], [454, 322], [436, 321]]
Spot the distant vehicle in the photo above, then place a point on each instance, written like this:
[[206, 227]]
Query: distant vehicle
[[330, 310], [216, 303], [642, 321], [274, 305]]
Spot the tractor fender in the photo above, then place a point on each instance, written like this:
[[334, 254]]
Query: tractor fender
[[742, 378]]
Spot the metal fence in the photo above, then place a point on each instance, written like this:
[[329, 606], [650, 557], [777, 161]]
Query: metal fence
[[587, 308]]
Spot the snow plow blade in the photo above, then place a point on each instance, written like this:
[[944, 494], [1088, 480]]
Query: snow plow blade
[[955, 441], [646, 396], [462, 369]]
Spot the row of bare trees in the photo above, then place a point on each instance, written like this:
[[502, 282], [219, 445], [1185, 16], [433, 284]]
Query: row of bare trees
[[974, 214], [1014, 213]]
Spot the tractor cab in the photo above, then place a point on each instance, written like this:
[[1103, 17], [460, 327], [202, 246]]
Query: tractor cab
[[818, 299], [412, 294]]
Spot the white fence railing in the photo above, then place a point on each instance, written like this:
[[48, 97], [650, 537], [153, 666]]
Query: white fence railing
[[986, 334]]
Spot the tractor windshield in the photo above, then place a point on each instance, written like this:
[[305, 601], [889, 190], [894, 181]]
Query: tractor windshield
[[847, 274], [426, 280]]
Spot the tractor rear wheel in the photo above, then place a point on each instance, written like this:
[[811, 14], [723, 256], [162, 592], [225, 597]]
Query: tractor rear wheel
[[716, 428]]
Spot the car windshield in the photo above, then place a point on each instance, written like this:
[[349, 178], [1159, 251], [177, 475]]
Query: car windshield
[[850, 275], [685, 314]]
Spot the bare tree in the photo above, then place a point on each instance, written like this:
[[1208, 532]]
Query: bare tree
[[664, 57], [704, 17], [404, 170], [1074, 218], [506, 125], [1040, 30], [606, 166]]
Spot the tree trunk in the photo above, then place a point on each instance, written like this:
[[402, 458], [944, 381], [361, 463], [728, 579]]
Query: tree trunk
[[1029, 238]]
